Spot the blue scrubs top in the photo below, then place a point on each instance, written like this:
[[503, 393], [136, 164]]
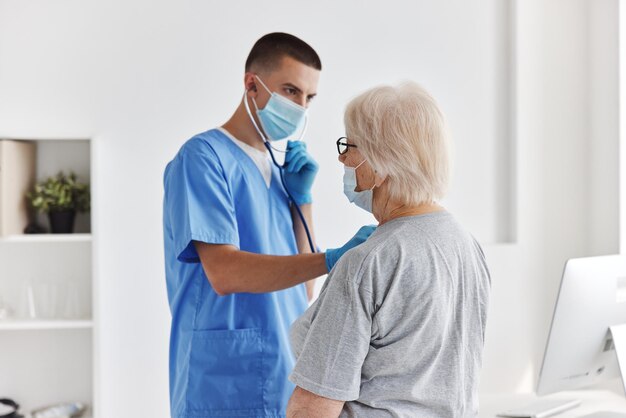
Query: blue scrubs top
[[229, 355]]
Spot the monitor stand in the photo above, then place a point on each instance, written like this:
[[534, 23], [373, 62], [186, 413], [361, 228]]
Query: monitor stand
[[545, 408], [618, 333]]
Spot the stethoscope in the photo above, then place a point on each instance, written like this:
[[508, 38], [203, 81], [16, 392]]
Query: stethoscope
[[269, 147]]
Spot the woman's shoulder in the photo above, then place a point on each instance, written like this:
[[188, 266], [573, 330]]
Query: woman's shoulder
[[417, 238], [366, 258]]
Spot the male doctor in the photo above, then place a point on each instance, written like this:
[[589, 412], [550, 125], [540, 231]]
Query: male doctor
[[238, 260]]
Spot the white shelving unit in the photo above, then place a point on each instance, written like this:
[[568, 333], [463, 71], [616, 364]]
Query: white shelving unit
[[24, 325], [49, 358], [59, 238]]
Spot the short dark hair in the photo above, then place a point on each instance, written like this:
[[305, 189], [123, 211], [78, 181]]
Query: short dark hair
[[270, 49]]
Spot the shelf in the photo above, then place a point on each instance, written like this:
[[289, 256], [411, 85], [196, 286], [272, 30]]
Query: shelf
[[19, 325], [47, 238], [51, 275]]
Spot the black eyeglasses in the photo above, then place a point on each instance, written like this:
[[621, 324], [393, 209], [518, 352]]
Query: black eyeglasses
[[342, 145]]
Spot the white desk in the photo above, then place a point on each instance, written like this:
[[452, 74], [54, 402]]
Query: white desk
[[591, 401]]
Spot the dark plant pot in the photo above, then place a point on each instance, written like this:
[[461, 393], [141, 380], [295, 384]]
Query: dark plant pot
[[62, 222]]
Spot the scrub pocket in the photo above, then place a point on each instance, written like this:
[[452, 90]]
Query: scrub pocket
[[226, 372]]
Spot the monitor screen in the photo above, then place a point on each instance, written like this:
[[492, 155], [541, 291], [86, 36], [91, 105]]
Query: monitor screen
[[580, 350]]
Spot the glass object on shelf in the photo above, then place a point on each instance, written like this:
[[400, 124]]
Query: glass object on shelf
[[74, 306], [53, 300], [39, 300], [27, 308], [46, 299], [6, 311]]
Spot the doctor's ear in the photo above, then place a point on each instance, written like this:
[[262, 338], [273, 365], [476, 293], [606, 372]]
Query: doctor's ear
[[250, 82], [251, 90]]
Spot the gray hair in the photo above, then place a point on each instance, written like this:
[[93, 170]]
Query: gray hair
[[402, 134]]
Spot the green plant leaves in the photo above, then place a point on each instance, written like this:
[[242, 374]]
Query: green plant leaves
[[60, 192]]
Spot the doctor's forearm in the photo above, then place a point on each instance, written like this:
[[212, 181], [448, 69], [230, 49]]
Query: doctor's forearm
[[233, 271], [302, 239], [255, 273]]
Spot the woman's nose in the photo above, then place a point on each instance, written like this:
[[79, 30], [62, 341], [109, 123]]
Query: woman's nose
[[342, 158]]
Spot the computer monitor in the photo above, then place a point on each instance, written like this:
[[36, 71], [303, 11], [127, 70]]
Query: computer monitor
[[580, 350]]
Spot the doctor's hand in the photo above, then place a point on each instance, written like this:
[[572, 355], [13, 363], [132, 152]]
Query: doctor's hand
[[333, 255], [299, 172]]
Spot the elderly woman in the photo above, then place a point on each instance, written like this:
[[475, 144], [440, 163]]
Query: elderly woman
[[398, 328]]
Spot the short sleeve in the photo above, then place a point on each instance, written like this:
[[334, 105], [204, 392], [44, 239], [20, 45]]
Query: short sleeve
[[198, 203], [338, 340]]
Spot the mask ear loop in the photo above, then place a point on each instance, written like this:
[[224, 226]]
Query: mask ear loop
[[374, 185], [267, 143], [256, 108], [247, 106], [359, 165], [263, 84]]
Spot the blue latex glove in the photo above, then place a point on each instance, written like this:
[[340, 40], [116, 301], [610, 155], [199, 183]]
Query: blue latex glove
[[333, 255], [299, 172]]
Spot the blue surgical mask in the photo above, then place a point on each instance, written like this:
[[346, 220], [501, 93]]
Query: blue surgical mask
[[362, 199], [280, 118]]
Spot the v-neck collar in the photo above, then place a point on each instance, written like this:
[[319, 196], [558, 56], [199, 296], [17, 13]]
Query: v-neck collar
[[259, 158]]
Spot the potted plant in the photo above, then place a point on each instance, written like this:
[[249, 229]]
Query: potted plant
[[61, 196]]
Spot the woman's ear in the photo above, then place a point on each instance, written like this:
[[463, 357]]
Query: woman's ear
[[378, 179]]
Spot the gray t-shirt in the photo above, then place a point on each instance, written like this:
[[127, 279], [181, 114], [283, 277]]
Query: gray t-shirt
[[398, 328]]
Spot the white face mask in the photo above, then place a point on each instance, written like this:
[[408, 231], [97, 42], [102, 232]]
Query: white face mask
[[362, 199]]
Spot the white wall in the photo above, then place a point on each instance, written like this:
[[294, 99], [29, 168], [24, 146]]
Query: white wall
[[567, 177], [140, 77]]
